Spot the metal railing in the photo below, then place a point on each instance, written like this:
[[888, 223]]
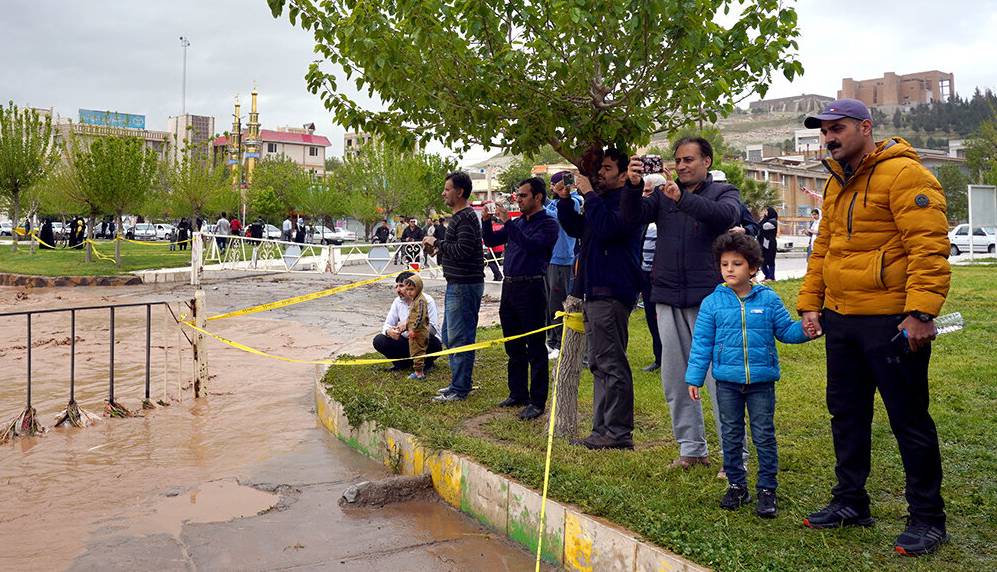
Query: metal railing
[[113, 408]]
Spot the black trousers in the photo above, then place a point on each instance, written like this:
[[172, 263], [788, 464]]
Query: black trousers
[[768, 263], [523, 309], [651, 315], [861, 358], [394, 349], [606, 332]]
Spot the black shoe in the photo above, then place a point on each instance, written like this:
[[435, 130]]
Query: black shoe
[[530, 412], [920, 538], [735, 497], [596, 442], [766, 504], [651, 367], [836, 515], [512, 402]]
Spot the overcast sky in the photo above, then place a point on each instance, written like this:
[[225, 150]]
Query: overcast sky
[[125, 55]]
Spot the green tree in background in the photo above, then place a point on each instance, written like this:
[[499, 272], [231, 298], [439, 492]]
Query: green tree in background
[[517, 74], [279, 187], [27, 153], [194, 185], [955, 183], [117, 173], [981, 153]]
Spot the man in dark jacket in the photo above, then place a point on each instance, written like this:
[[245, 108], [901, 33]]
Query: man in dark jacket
[[689, 216], [608, 279]]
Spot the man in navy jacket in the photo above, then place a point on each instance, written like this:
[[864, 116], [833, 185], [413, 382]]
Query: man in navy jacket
[[690, 214], [608, 279]]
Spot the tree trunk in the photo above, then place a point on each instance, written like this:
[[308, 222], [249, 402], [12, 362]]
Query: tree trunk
[[567, 374], [17, 213], [117, 243], [91, 222]]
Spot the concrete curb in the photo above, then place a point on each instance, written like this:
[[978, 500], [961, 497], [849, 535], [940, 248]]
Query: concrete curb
[[572, 539], [8, 279]]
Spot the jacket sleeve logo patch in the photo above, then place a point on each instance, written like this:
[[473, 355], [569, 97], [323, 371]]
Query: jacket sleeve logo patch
[[922, 200]]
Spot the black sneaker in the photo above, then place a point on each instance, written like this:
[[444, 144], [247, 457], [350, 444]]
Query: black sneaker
[[766, 504], [920, 538], [736, 496], [836, 515]]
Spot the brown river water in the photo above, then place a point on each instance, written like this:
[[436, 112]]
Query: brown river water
[[66, 494]]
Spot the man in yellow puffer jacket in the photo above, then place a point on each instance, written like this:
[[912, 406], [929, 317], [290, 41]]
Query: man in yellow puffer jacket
[[878, 276]]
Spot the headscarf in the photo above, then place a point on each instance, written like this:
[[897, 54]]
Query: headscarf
[[416, 281]]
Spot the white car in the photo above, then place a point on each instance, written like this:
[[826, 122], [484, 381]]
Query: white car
[[271, 232], [6, 228], [141, 231], [984, 239], [783, 244], [343, 234], [163, 231]]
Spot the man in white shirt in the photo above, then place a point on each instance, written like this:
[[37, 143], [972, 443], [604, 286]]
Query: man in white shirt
[[222, 229], [392, 342], [285, 229]]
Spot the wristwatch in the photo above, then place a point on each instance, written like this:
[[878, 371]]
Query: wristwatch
[[922, 316]]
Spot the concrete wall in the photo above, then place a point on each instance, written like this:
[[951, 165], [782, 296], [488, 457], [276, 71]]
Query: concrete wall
[[571, 538]]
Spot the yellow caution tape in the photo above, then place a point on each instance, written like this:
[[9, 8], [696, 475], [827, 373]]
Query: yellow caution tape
[[96, 251], [151, 243], [300, 299], [371, 361], [574, 320], [38, 239]]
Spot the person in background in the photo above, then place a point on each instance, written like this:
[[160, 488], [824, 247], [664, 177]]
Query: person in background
[[285, 229], [256, 229], [652, 182], [494, 254], [812, 229], [767, 239], [561, 270], [171, 235], [183, 233], [236, 227], [47, 235], [222, 230], [382, 233]]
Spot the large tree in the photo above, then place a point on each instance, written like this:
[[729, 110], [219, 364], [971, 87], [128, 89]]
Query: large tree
[[279, 187], [981, 152], [27, 153], [119, 173], [195, 185], [955, 183], [519, 74]]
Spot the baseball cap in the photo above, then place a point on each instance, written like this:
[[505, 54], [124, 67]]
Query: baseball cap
[[838, 109]]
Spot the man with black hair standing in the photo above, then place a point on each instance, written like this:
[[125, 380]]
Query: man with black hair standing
[[690, 214], [878, 276], [529, 242], [608, 280], [463, 268]]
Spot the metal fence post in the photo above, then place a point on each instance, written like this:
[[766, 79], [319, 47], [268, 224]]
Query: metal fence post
[[200, 353], [72, 356], [110, 396], [148, 348], [29, 361]]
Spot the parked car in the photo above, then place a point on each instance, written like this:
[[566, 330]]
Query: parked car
[[163, 231], [984, 239], [783, 244], [271, 232], [6, 229], [141, 231], [343, 234]]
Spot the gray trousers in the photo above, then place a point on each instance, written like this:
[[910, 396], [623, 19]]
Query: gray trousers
[[558, 286], [676, 326], [606, 323]]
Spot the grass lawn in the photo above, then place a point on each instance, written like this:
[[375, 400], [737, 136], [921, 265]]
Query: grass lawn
[[679, 510], [64, 262]]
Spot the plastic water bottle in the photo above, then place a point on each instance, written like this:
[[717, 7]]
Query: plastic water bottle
[[948, 323]]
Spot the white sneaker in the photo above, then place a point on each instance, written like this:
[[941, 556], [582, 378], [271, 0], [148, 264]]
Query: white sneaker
[[554, 353]]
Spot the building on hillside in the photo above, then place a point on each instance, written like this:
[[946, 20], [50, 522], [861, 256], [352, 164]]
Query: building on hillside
[[760, 151], [805, 103], [957, 148], [892, 91], [191, 134], [353, 141], [798, 182], [93, 124]]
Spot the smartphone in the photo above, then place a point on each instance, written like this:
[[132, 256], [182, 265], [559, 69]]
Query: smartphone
[[568, 179], [652, 163], [490, 207]]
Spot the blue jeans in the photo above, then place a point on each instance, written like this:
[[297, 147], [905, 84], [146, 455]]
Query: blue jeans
[[759, 400], [460, 328]]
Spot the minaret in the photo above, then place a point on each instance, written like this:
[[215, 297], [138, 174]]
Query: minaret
[[235, 145], [253, 141]]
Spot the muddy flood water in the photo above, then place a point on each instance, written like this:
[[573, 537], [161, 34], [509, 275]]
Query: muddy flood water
[[244, 479]]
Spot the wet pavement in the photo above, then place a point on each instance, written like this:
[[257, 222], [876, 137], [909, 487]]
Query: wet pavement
[[244, 479]]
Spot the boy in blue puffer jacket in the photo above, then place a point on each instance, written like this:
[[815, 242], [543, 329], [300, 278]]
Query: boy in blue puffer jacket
[[736, 331]]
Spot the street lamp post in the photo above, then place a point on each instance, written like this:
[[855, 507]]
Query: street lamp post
[[184, 43]]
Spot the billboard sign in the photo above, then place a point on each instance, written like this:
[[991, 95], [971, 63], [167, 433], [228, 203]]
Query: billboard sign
[[112, 119]]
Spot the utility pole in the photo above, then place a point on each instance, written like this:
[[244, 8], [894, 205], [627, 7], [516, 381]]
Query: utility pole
[[184, 43]]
